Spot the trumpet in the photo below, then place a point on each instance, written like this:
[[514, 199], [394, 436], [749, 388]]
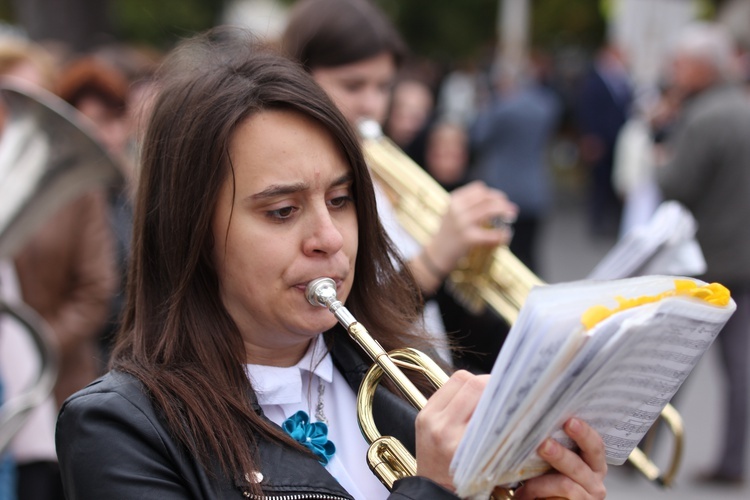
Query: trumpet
[[487, 277], [388, 459]]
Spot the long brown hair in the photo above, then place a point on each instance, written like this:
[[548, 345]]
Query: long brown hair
[[177, 337]]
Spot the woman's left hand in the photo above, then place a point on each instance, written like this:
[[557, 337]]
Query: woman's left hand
[[577, 475]]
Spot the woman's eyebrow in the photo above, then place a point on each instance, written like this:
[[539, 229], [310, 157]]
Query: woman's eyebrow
[[280, 190], [284, 189], [344, 179]]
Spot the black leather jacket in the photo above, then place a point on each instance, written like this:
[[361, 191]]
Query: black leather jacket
[[112, 444]]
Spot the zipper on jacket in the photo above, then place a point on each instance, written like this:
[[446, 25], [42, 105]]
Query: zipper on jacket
[[295, 496]]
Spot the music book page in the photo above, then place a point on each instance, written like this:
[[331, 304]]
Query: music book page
[[665, 244], [612, 353]]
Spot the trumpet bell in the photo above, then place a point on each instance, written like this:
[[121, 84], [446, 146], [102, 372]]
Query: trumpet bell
[[48, 157]]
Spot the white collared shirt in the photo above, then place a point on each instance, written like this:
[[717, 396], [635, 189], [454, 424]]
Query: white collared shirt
[[282, 391]]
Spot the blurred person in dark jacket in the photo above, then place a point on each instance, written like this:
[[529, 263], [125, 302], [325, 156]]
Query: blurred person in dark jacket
[[603, 106], [509, 143]]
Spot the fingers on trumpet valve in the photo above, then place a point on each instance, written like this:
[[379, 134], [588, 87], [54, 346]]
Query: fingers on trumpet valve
[[504, 212], [502, 226]]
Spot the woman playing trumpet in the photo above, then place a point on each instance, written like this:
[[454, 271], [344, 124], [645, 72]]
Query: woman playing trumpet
[[225, 381]]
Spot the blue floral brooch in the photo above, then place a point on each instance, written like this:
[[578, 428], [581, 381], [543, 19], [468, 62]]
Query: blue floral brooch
[[313, 436]]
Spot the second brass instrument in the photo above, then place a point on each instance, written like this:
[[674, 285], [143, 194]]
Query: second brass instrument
[[492, 277]]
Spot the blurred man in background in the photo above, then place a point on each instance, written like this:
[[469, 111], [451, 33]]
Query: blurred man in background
[[705, 165]]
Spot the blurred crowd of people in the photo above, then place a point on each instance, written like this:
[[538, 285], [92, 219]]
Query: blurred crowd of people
[[687, 141]]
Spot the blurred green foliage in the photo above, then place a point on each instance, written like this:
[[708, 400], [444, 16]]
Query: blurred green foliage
[[159, 23], [6, 13], [557, 23], [432, 28], [162, 22], [443, 30], [448, 29]]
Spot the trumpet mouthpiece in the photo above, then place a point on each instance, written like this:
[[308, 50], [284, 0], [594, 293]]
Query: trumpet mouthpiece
[[321, 292]]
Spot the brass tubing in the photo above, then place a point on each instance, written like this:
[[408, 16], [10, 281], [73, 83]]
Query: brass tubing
[[322, 292]]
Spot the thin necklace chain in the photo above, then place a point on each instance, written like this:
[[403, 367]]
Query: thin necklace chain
[[319, 413]]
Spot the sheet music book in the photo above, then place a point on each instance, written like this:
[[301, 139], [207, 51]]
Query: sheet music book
[[612, 353], [666, 244]]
